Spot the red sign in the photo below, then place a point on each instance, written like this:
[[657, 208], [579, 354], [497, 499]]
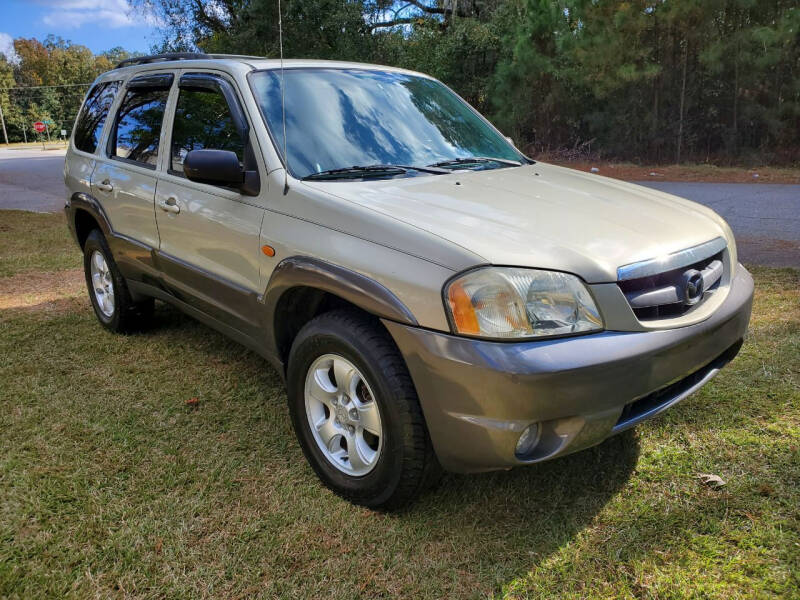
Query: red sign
[[39, 126]]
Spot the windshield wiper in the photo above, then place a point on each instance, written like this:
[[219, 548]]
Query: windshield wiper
[[475, 160], [357, 171]]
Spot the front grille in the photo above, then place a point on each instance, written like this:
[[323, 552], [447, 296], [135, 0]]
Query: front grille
[[664, 295]]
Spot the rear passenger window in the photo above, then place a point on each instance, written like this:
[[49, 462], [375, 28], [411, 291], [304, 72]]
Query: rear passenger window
[[138, 125], [93, 115], [203, 121]]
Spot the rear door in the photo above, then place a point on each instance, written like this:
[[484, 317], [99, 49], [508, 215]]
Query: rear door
[[125, 177], [209, 234], [87, 133]]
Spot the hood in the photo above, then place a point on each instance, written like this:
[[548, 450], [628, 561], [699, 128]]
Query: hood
[[541, 216]]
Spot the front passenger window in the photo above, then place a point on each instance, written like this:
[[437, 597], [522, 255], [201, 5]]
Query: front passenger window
[[138, 125], [203, 121]]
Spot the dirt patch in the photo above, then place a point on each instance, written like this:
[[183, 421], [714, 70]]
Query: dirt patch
[[38, 289], [700, 173]]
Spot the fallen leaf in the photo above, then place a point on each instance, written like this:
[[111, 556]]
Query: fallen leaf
[[766, 489], [192, 402], [710, 480], [159, 545]]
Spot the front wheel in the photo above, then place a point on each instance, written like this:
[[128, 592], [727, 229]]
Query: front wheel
[[356, 413]]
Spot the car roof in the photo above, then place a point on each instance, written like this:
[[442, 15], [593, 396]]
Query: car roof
[[189, 60]]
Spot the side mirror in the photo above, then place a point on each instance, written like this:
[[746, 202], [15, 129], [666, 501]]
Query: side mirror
[[219, 167]]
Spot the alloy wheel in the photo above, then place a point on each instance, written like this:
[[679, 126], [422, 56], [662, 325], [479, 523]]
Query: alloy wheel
[[102, 284], [343, 415]]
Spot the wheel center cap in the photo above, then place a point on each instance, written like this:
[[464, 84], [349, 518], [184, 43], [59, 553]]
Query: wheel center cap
[[341, 414]]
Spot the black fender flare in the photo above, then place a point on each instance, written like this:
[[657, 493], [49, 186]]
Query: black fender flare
[[83, 201], [357, 289]]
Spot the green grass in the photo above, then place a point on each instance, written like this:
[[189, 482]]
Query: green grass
[[35, 242], [112, 486], [54, 144]]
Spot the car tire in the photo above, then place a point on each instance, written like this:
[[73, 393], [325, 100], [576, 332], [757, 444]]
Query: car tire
[[108, 291], [378, 394]]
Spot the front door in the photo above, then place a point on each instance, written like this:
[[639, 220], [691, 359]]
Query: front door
[[209, 235]]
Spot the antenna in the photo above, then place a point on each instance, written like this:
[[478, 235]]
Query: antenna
[[283, 104]]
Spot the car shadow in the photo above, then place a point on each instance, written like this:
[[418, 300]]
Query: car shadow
[[506, 521], [538, 508]]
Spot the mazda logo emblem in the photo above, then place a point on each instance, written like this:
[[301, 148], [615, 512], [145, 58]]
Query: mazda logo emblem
[[692, 287]]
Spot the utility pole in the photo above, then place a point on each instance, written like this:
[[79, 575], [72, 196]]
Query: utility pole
[[3, 121]]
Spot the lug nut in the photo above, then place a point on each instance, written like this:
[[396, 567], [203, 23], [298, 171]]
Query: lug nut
[[336, 420], [334, 401], [351, 429], [354, 414]]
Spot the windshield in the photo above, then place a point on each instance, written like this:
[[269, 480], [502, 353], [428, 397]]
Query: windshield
[[340, 118]]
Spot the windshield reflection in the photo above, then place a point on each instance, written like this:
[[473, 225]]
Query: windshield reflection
[[338, 118]]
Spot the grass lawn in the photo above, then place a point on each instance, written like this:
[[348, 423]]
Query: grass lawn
[[55, 143], [35, 242], [111, 485]]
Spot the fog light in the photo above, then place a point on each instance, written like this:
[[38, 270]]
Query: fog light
[[528, 440]]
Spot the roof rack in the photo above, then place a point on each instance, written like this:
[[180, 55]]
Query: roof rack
[[170, 56]]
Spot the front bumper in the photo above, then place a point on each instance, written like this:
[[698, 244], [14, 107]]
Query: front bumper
[[478, 396]]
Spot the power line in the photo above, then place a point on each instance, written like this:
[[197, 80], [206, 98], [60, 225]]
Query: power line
[[47, 94], [44, 92], [38, 87]]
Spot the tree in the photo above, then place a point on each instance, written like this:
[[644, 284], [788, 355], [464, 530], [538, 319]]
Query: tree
[[48, 80], [655, 80]]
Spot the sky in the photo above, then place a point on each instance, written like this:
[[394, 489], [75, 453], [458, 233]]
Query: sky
[[97, 24]]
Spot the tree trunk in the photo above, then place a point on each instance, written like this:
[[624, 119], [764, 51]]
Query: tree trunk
[[683, 101], [736, 102], [656, 85], [3, 121], [737, 19]]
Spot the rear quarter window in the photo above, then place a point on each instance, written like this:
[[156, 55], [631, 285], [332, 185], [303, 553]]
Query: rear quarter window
[[92, 117]]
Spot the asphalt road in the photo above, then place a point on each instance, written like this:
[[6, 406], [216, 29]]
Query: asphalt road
[[32, 180], [764, 217]]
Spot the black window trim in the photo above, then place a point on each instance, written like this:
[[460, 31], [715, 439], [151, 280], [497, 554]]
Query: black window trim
[[153, 81], [209, 81], [205, 81]]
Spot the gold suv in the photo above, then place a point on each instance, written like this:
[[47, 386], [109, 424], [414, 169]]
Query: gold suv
[[432, 297]]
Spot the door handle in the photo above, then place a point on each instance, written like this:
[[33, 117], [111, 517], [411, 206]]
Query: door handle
[[105, 186], [170, 205]]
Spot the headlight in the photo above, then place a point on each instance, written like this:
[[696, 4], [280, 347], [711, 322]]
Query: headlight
[[507, 302]]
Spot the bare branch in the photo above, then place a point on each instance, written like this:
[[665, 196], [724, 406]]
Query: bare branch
[[395, 22], [436, 10]]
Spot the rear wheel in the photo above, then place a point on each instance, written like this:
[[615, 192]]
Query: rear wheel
[[356, 413], [108, 292]]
